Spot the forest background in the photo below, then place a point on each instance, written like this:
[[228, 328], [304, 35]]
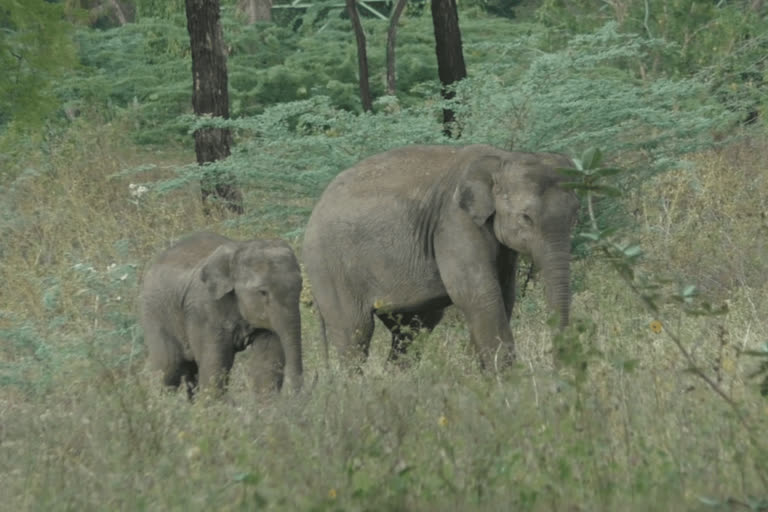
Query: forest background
[[660, 404]]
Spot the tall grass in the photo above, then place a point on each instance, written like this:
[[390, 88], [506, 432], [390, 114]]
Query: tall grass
[[85, 427]]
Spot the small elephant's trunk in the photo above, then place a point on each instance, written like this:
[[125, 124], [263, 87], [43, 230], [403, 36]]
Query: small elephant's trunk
[[289, 330], [556, 271]]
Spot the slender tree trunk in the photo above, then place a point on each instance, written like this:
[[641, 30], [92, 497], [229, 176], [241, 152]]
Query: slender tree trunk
[[362, 57], [210, 97], [450, 58], [255, 10], [119, 12], [391, 34]]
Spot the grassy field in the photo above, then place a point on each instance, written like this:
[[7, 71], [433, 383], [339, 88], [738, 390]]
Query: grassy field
[[82, 428]]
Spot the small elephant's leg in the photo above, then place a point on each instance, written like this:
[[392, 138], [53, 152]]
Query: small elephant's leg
[[266, 362], [507, 269], [215, 363], [406, 326], [190, 373], [165, 354]]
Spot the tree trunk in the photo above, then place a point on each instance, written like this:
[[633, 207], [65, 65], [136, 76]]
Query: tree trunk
[[362, 57], [255, 10], [119, 12], [210, 97], [391, 34], [450, 58]]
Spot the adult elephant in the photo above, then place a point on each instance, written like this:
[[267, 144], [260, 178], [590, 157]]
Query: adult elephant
[[406, 233], [208, 297]]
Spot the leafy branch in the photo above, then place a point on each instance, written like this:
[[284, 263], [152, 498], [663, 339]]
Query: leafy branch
[[589, 184]]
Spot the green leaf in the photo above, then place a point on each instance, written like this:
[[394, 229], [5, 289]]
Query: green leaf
[[607, 171], [710, 502], [567, 171], [592, 158], [607, 191], [754, 353], [588, 235], [689, 291], [571, 185], [247, 478], [626, 365], [578, 164], [633, 251]]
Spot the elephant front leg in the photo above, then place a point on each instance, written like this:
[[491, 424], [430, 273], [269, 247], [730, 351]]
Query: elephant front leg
[[471, 278], [214, 365], [490, 334]]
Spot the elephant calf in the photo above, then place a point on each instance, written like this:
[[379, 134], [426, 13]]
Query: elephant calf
[[208, 297], [406, 233]]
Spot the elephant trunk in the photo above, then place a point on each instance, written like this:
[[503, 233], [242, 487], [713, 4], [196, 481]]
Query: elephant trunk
[[555, 261], [289, 330]]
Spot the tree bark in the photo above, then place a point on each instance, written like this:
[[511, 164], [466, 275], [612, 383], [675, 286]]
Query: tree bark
[[391, 35], [119, 12], [255, 10], [210, 97], [362, 56], [450, 58]]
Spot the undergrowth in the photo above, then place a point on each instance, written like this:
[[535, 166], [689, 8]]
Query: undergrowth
[[85, 427]]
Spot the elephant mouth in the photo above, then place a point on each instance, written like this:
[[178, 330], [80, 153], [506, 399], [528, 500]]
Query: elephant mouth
[[246, 336]]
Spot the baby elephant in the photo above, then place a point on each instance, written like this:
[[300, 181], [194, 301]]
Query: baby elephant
[[208, 297]]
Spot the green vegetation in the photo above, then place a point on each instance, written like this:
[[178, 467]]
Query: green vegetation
[[654, 405]]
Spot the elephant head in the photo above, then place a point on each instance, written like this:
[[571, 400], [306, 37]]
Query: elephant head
[[265, 280], [530, 213]]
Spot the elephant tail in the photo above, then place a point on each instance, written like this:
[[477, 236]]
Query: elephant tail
[[323, 335]]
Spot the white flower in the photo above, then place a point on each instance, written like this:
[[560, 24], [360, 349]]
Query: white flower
[[137, 190], [111, 267]]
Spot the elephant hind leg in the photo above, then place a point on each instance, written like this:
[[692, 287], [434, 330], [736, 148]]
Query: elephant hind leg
[[406, 326], [165, 356], [352, 338]]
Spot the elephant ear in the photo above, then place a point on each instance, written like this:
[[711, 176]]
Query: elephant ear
[[474, 192], [217, 271]]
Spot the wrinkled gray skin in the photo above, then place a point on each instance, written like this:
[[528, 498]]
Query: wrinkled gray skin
[[406, 233], [208, 297]]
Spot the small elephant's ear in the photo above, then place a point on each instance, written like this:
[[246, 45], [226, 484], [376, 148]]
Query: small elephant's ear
[[216, 272], [474, 192]]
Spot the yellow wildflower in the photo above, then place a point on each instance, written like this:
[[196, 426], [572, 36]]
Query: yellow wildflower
[[656, 326]]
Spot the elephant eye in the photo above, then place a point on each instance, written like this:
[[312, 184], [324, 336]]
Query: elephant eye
[[528, 220], [263, 292]]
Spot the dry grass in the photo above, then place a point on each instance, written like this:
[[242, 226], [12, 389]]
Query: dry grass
[[89, 432]]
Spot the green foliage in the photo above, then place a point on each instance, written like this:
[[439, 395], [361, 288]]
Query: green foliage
[[140, 69], [652, 408], [164, 9], [35, 49], [586, 94], [728, 40], [559, 101], [99, 329]]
